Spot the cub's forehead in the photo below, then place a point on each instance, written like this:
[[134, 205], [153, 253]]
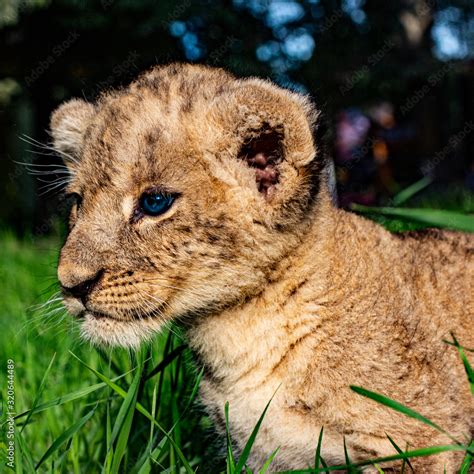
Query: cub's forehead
[[132, 140], [130, 126]]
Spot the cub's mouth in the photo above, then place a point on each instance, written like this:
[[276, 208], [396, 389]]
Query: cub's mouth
[[95, 314], [133, 315], [106, 319]]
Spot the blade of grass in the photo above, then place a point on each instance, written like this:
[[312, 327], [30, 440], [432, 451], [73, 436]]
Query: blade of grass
[[317, 459], [175, 374], [467, 349], [39, 392], [405, 194], [107, 358], [128, 401], [230, 461], [467, 365], [422, 452], [141, 410], [192, 396], [75, 455], [165, 361], [67, 398], [63, 437], [143, 465], [432, 217], [399, 450], [388, 402], [108, 441], [23, 450], [248, 446], [350, 467], [59, 464], [268, 461], [167, 349], [153, 413], [468, 459], [123, 422], [176, 432], [18, 461], [405, 461]]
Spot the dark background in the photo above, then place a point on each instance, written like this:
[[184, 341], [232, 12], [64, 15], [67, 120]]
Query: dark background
[[394, 80]]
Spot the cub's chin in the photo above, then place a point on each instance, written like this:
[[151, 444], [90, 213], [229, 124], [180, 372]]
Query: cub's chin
[[105, 331]]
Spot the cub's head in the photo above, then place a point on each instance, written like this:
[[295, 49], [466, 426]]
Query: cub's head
[[189, 186]]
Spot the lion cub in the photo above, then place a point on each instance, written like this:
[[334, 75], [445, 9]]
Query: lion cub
[[202, 198]]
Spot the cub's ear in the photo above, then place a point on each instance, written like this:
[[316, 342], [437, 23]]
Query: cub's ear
[[68, 125], [272, 131]]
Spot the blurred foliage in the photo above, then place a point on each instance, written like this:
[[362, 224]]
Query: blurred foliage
[[11, 10]]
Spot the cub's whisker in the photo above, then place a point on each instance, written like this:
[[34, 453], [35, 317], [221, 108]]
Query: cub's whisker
[[43, 146]]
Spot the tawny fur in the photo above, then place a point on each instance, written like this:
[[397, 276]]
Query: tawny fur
[[280, 292]]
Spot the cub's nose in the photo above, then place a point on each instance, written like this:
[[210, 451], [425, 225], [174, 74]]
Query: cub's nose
[[82, 289]]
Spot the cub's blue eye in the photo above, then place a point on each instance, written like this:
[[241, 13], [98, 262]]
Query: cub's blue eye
[[154, 204]]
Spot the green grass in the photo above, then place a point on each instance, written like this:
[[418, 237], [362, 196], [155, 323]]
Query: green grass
[[80, 410], [419, 206]]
